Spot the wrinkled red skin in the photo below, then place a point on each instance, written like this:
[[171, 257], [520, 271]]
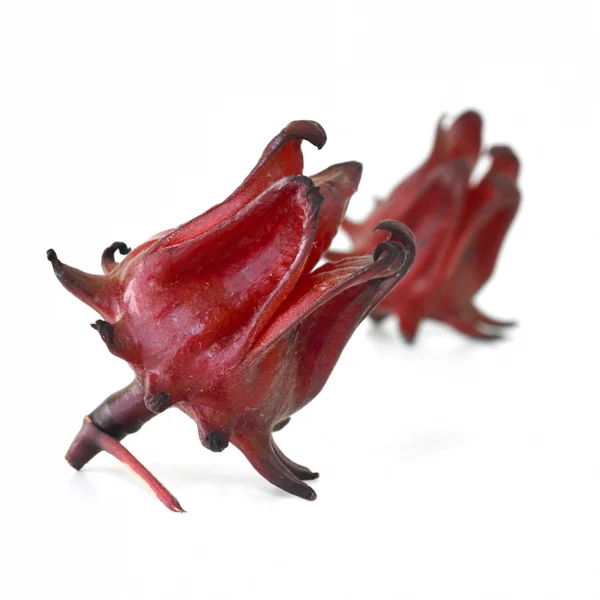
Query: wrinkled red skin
[[459, 228], [226, 318]]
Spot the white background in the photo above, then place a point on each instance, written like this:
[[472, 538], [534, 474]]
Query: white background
[[448, 470]]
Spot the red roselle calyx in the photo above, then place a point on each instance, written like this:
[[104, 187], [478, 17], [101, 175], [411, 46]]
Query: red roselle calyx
[[227, 318], [459, 228]]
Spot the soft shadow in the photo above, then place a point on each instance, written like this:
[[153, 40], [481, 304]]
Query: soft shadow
[[178, 477], [430, 443], [382, 334]]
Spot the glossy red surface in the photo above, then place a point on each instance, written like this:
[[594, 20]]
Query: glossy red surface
[[459, 227], [226, 318]]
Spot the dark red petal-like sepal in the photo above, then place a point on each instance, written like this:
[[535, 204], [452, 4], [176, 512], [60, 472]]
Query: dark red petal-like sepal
[[328, 305], [337, 184], [281, 158]]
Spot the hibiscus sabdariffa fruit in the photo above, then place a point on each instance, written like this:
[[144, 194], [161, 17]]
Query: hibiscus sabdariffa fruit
[[227, 317], [459, 227]]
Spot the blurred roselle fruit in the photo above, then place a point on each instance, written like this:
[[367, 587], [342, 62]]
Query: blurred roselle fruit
[[226, 317], [459, 227]]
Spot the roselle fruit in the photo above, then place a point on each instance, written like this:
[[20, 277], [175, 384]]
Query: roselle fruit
[[459, 228], [227, 318]]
